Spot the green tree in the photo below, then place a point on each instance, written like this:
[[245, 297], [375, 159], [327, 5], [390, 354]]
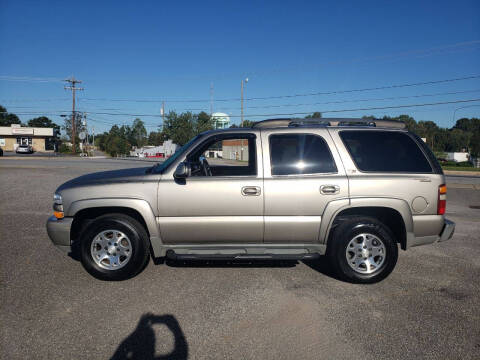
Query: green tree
[[45, 122], [179, 127], [203, 122], [42, 121], [115, 141], [458, 140], [7, 119], [247, 123], [155, 138], [315, 115], [138, 133], [67, 126]]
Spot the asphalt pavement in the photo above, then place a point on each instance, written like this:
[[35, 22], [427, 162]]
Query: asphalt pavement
[[52, 309]]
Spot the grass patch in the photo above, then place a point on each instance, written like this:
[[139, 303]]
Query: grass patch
[[460, 168]]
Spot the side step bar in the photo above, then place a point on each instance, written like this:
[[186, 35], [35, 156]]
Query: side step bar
[[174, 256]]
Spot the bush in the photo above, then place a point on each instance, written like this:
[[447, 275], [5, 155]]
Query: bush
[[63, 148], [464, 164], [459, 164]]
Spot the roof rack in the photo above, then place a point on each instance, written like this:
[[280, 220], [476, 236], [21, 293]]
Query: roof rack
[[291, 122]]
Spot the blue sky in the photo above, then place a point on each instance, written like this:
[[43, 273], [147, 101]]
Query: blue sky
[[172, 51]]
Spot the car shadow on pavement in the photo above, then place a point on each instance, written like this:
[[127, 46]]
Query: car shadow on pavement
[[323, 266], [229, 263], [140, 344]]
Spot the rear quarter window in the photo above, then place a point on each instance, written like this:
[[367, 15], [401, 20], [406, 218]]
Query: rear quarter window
[[385, 151]]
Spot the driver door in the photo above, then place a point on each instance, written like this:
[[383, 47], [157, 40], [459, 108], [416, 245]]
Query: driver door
[[222, 204]]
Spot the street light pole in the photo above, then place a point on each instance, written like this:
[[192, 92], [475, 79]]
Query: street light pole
[[463, 107]]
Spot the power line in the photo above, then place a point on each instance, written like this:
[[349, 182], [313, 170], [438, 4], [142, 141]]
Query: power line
[[35, 100], [368, 108], [394, 86], [28, 79], [345, 101], [277, 114]]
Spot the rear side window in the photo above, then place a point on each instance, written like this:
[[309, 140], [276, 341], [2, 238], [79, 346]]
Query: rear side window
[[385, 151], [294, 154]]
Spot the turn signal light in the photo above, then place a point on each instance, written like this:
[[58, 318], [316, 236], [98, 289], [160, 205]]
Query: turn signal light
[[442, 199], [58, 214]]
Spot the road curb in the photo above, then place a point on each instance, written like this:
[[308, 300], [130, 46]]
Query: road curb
[[464, 173]]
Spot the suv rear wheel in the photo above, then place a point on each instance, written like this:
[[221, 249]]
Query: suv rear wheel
[[114, 247], [362, 250]]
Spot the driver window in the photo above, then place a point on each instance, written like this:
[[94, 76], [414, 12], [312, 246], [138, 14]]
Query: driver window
[[225, 156]]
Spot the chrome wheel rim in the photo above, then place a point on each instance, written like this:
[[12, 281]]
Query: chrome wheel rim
[[365, 253], [111, 249]]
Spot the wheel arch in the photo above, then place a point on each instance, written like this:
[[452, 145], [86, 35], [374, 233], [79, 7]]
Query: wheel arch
[[86, 210], [394, 213]]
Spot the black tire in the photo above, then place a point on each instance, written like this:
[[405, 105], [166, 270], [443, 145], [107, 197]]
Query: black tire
[[137, 235], [348, 229]]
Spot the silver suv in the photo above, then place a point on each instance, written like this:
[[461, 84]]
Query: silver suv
[[352, 189]]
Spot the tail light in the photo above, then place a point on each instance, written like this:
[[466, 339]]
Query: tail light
[[442, 199]]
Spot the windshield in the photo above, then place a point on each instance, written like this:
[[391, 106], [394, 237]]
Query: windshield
[[160, 168]]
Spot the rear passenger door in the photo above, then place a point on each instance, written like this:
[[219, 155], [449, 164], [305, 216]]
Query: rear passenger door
[[302, 174]]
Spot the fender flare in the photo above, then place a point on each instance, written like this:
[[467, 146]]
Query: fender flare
[[335, 207], [140, 205]]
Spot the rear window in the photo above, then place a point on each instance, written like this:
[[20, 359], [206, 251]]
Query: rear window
[[385, 151], [295, 154]]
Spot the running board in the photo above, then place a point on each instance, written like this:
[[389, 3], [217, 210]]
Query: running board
[[306, 256]]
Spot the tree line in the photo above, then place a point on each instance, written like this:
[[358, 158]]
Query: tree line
[[463, 136], [181, 127]]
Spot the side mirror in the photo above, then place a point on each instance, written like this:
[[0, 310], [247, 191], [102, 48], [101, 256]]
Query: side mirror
[[182, 171]]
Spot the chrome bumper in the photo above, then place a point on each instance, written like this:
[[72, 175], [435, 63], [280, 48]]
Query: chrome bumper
[[59, 232], [447, 231]]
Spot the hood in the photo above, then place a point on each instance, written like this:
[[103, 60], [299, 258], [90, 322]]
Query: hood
[[108, 177]]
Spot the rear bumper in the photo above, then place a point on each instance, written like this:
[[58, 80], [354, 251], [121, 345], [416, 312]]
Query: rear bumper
[[59, 232], [448, 230], [446, 233]]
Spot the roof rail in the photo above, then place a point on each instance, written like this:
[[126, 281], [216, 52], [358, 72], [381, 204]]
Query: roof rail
[[274, 123]]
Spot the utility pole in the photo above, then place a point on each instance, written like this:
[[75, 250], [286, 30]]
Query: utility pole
[[211, 98], [86, 128], [163, 114], [243, 81], [72, 82]]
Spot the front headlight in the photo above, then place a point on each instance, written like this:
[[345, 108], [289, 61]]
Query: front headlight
[[58, 206], [57, 199]]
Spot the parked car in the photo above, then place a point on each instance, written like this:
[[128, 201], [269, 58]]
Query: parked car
[[352, 189], [24, 149]]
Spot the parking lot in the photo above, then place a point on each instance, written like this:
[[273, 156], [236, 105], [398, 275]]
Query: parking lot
[[51, 308]]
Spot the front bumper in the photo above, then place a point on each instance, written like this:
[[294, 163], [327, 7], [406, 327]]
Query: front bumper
[[447, 231], [59, 232]]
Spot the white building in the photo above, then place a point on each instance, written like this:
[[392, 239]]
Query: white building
[[458, 156], [163, 151]]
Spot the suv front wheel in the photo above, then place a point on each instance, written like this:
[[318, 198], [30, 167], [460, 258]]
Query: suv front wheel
[[362, 250], [114, 247]]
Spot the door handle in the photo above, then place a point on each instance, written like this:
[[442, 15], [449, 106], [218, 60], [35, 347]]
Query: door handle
[[329, 189], [251, 191]]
